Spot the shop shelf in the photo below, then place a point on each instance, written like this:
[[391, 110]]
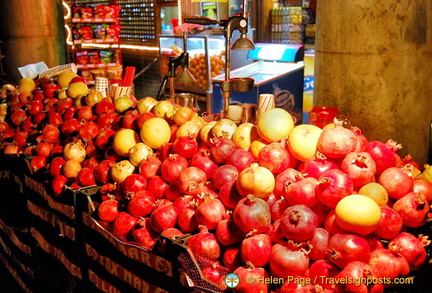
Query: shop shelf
[[94, 20], [96, 41], [99, 65]]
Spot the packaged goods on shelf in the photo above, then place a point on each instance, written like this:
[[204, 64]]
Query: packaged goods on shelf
[[93, 26]]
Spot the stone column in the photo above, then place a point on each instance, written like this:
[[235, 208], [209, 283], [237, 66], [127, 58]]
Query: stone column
[[374, 63], [32, 31]]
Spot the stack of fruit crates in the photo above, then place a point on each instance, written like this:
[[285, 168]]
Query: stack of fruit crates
[[116, 264], [15, 241], [55, 231]]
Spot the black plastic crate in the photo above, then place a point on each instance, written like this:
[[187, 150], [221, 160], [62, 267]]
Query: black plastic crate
[[12, 277], [16, 257], [57, 249], [13, 210], [118, 264]]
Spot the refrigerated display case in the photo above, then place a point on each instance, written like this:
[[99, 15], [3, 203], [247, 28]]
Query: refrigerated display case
[[308, 88], [277, 69]]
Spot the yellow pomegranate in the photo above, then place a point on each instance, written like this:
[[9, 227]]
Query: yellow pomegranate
[[124, 140], [244, 135], [256, 180], [199, 120], [26, 85], [164, 109], [121, 170], [275, 125], [358, 213], [155, 132], [375, 191], [71, 168], [303, 141], [93, 97], [65, 77], [183, 114], [123, 103], [189, 129], [146, 104], [206, 133], [224, 128], [76, 89], [139, 153], [256, 146]]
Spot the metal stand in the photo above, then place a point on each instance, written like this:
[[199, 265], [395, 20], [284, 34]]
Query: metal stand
[[236, 22], [184, 77]]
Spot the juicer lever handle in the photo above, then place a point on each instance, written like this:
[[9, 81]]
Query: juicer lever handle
[[201, 20], [162, 89]]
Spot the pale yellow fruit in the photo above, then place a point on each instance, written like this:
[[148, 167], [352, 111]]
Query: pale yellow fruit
[[146, 104], [77, 89], [303, 141], [256, 180], [139, 153], [244, 135], [26, 85], [124, 140], [275, 125], [156, 132], [330, 125], [62, 93], [256, 146], [358, 213], [189, 129], [65, 77], [75, 150], [375, 191], [93, 97], [224, 128], [123, 103], [199, 120], [206, 133], [121, 170], [164, 109], [71, 168]]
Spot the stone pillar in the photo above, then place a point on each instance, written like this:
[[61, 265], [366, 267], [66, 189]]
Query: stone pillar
[[374, 63], [32, 31]]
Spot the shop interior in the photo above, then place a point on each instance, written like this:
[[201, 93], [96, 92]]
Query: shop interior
[[144, 22], [261, 71]]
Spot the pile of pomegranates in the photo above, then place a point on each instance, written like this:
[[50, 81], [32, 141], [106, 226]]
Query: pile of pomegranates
[[268, 201]]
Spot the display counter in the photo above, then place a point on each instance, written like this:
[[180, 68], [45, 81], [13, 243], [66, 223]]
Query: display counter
[[277, 69]]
